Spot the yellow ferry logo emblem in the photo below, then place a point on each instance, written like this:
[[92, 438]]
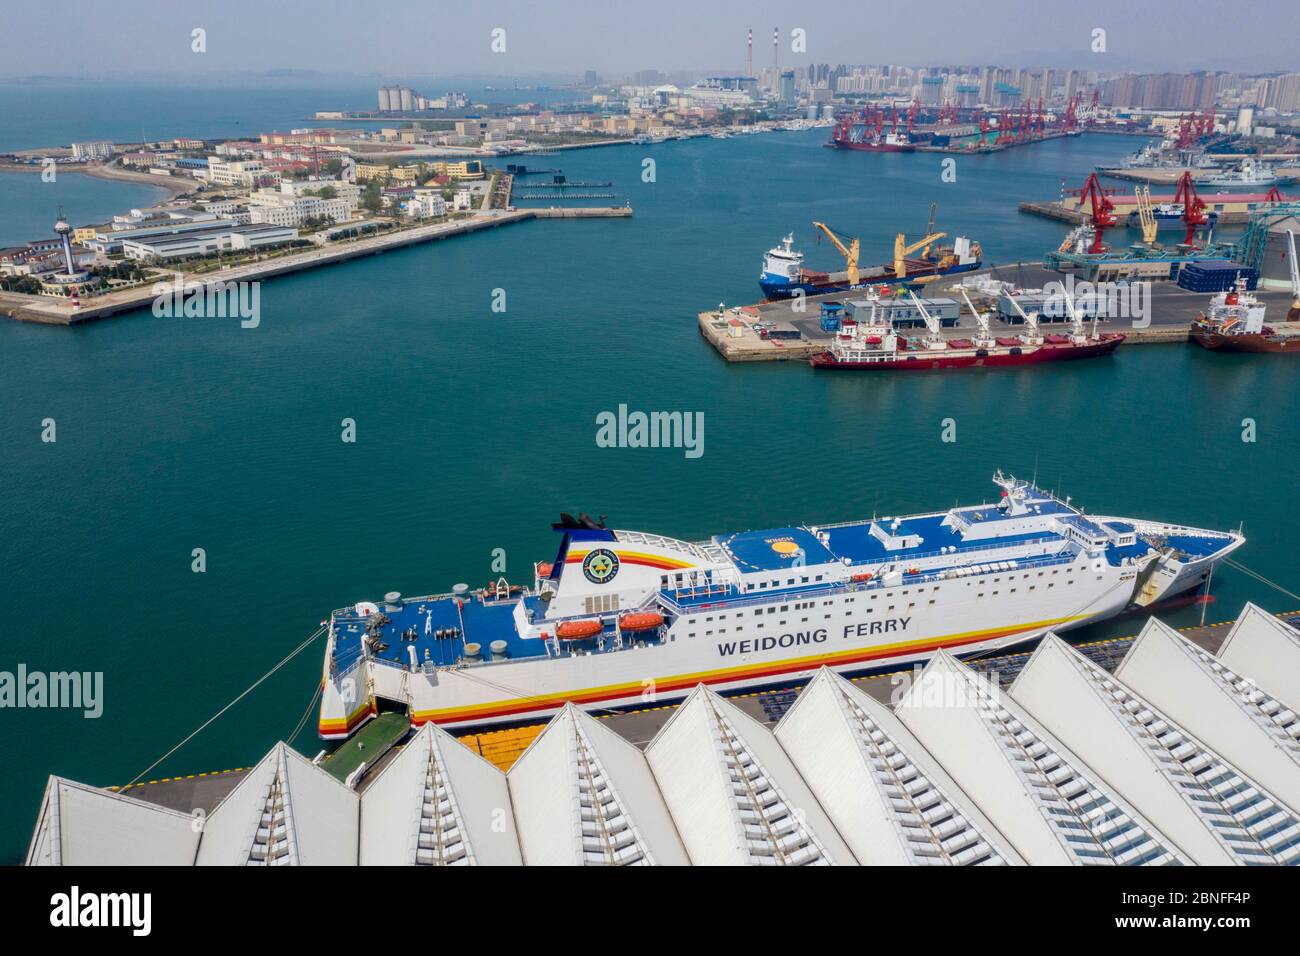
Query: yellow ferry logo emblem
[[600, 566]]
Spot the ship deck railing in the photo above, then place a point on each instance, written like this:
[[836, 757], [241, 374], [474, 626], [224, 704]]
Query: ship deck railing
[[845, 587]]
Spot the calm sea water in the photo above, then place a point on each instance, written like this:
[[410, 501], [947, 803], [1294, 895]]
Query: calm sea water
[[475, 429]]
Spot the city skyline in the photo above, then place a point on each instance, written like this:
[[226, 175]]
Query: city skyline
[[409, 39]]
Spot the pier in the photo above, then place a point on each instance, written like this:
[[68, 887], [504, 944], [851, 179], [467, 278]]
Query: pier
[[795, 336], [60, 311]]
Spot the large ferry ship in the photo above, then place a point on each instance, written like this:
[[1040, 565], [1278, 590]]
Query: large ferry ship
[[784, 276], [627, 619]]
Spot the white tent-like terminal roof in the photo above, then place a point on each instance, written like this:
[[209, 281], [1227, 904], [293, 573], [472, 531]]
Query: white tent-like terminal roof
[[1177, 757]]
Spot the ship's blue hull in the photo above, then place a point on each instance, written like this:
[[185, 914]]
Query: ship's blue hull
[[778, 287]]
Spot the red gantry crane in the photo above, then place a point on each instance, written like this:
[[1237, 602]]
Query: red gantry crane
[[1102, 215], [1194, 211]]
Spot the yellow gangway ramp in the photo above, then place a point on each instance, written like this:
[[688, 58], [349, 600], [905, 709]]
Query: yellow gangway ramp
[[503, 747]]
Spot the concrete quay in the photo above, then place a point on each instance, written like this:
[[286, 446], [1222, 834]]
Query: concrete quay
[[55, 311], [1171, 310]]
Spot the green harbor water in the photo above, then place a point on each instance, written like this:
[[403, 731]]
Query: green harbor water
[[475, 428]]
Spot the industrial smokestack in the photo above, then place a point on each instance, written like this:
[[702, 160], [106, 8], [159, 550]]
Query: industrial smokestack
[[749, 55], [776, 67]]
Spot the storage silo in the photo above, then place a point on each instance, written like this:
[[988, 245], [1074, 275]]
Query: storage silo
[[385, 100], [407, 99]]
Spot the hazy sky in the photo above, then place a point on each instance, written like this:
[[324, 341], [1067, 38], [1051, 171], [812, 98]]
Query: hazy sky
[[398, 37]]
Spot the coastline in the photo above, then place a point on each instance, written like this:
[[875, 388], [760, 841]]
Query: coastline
[[170, 186]]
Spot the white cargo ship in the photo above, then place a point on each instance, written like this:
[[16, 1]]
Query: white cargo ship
[[622, 619]]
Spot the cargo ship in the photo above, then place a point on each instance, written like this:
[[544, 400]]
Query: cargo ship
[[628, 619], [783, 274], [859, 137], [1234, 322], [873, 344], [1249, 175]]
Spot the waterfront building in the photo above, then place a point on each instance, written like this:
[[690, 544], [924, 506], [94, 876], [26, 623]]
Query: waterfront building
[[1069, 765], [1209, 807], [398, 175], [462, 169], [297, 202], [1230, 711], [246, 173], [84, 152], [426, 204], [207, 241]]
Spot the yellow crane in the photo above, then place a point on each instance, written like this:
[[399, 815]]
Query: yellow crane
[[849, 252], [1146, 214], [902, 250]]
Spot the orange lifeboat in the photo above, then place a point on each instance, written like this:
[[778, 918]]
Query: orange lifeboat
[[861, 577], [544, 569], [577, 630], [644, 621]]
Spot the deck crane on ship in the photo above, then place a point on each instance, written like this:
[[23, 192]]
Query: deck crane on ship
[[849, 252]]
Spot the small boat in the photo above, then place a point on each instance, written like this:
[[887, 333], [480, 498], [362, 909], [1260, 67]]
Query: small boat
[[579, 630], [640, 621]]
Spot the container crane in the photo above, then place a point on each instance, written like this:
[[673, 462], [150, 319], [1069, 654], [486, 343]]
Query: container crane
[[849, 252]]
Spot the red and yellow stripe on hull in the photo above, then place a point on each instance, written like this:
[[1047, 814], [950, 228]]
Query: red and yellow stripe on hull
[[344, 728], [594, 695], [636, 557]]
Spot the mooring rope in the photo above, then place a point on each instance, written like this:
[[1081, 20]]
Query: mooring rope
[[292, 654], [1259, 577]]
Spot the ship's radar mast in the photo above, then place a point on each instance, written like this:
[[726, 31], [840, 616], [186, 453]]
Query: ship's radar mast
[[1015, 493]]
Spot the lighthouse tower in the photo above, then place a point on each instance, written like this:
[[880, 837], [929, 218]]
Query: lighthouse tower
[[64, 230]]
